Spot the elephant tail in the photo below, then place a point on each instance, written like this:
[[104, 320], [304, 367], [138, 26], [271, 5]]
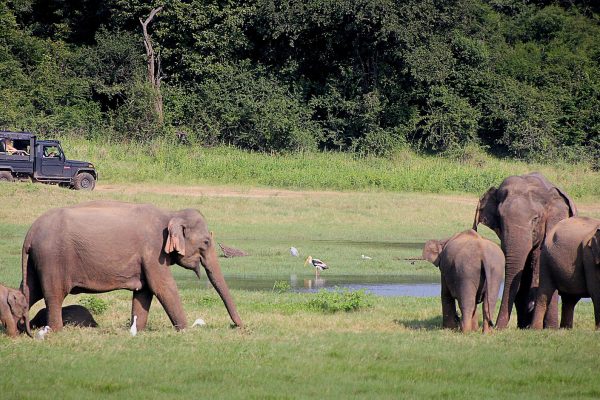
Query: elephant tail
[[492, 287], [476, 219], [24, 283]]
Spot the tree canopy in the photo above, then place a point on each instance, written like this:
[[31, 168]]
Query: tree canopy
[[521, 78]]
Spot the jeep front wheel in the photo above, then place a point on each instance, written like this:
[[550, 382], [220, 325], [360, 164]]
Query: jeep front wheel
[[6, 176], [84, 181]]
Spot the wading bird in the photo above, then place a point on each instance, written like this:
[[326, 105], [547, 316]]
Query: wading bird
[[133, 329], [294, 251], [42, 332], [318, 264], [198, 322]]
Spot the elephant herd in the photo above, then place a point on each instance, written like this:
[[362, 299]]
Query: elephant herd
[[102, 246], [546, 251]]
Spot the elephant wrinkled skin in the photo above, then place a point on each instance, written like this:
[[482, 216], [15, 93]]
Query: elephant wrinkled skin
[[13, 309], [521, 210], [101, 246], [471, 269], [570, 262]]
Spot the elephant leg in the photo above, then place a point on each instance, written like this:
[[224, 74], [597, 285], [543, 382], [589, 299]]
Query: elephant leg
[[7, 319], [141, 306], [487, 315], [54, 306], [163, 285], [596, 301], [474, 319], [523, 300], [449, 317], [551, 317], [597, 313], [568, 310], [468, 310]]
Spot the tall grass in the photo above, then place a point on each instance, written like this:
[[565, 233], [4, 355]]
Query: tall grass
[[163, 162]]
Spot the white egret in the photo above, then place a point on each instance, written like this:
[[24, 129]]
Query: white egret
[[365, 257], [318, 264], [42, 332], [198, 322], [294, 251], [133, 329]]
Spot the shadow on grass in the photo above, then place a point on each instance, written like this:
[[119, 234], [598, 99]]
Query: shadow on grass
[[431, 324]]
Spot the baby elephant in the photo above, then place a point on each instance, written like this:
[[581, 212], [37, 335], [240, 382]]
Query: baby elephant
[[75, 315], [13, 309], [570, 262], [472, 269]]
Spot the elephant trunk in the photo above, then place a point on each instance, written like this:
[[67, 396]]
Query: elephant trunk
[[215, 276], [28, 325], [516, 257], [25, 287]]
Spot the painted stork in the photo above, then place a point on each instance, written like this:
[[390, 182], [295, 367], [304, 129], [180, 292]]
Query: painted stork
[[318, 264]]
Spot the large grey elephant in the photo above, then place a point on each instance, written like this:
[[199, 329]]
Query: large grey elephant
[[471, 268], [13, 309], [570, 262], [521, 210], [106, 245]]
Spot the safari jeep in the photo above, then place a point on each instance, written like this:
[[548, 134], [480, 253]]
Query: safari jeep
[[24, 157]]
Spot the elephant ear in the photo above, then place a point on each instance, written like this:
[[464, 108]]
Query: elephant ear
[[432, 250], [175, 238], [17, 303], [595, 246], [569, 201], [487, 211]]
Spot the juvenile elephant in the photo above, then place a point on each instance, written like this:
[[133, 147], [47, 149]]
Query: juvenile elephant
[[521, 210], [570, 263], [107, 245], [472, 269], [13, 309], [75, 315]]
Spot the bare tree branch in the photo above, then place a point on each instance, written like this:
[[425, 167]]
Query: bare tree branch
[[153, 63]]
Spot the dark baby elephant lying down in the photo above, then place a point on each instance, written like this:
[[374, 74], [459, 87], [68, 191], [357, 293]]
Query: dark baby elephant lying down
[[75, 315]]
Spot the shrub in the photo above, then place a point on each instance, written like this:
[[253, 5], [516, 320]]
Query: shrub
[[281, 286], [96, 305], [340, 300]]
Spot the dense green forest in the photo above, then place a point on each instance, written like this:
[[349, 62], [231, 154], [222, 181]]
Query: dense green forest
[[518, 78]]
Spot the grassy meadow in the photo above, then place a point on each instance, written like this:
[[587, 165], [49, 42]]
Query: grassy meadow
[[165, 162], [392, 349]]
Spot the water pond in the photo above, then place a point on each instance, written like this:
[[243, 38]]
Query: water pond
[[379, 285]]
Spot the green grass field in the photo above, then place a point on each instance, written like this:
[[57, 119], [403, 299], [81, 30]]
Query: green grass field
[[394, 349]]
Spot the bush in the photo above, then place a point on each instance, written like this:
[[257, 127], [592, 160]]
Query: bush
[[281, 286], [340, 300], [96, 305]]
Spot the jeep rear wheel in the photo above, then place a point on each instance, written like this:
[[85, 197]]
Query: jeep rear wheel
[[84, 181], [6, 176]]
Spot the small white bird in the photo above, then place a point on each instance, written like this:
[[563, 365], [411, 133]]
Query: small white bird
[[42, 332], [318, 264], [133, 329], [198, 322], [365, 257], [294, 251]]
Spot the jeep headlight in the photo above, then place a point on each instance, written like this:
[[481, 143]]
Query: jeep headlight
[[90, 165]]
